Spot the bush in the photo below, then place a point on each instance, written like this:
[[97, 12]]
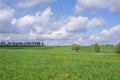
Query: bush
[[96, 48], [75, 47], [117, 48]]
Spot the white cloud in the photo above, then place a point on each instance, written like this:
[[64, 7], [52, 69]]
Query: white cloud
[[107, 36], [74, 25], [96, 22], [25, 21], [35, 23], [6, 15], [42, 26], [32, 3], [82, 24], [60, 34], [111, 5]]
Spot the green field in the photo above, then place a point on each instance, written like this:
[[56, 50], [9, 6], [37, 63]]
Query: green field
[[58, 63]]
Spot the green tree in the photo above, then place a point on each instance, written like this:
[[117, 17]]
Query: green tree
[[96, 47], [75, 47], [117, 48]]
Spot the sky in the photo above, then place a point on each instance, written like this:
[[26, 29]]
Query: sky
[[60, 22]]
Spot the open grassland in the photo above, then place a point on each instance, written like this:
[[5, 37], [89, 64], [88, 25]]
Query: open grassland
[[58, 63]]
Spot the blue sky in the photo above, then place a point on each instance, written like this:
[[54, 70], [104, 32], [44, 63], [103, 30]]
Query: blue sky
[[60, 22]]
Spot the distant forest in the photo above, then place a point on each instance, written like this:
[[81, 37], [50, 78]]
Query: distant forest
[[21, 44]]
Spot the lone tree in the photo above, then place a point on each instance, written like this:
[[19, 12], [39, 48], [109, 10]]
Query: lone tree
[[117, 48], [75, 47], [96, 48]]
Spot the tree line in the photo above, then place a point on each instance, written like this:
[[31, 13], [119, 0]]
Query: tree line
[[21, 44], [96, 46]]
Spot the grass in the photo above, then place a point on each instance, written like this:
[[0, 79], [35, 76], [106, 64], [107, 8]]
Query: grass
[[58, 63]]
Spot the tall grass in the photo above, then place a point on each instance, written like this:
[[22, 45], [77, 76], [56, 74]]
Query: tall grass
[[58, 63]]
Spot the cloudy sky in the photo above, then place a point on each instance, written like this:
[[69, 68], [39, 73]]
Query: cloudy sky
[[60, 22]]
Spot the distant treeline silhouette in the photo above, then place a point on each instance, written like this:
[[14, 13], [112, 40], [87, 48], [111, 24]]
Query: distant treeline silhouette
[[21, 44]]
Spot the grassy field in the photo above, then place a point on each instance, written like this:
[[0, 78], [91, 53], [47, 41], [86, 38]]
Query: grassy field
[[58, 63]]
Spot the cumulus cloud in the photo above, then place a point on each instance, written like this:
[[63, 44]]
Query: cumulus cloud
[[32, 3], [82, 24], [6, 15], [74, 25], [42, 26], [6, 12], [35, 23], [111, 5], [111, 35], [26, 4]]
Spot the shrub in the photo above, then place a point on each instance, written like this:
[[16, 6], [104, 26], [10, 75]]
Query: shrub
[[117, 48], [96, 48], [75, 47]]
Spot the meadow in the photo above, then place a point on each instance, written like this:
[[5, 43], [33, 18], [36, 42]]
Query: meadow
[[58, 63]]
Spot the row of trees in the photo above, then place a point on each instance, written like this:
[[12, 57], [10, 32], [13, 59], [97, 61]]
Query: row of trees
[[96, 46], [20, 44]]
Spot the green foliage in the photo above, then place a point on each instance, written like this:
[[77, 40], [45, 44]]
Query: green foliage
[[75, 47], [117, 48], [96, 48], [58, 63], [109, 45]]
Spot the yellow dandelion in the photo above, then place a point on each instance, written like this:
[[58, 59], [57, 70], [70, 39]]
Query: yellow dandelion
[[66, 74]]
